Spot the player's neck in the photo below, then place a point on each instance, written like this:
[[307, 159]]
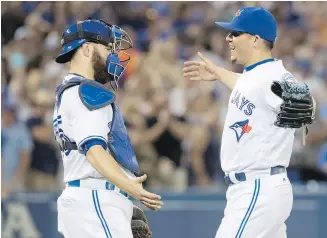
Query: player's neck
[[258, 57], [83, 71]]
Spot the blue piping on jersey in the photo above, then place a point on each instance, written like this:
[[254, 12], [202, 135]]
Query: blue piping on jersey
[[80, 146], [89, 143], [246, 69]]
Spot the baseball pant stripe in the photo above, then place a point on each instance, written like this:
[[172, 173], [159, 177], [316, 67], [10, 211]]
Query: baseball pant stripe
[[250, 209], [96, 209], [104, 220], [255, 201]]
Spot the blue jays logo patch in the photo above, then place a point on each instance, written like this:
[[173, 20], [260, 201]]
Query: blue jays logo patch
[[238, 13], [240, 128]]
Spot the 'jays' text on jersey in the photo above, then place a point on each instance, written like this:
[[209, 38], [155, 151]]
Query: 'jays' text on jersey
[[74, 122], [250, 140]]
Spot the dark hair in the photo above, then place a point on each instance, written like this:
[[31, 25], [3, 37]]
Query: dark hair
[[269, 44]]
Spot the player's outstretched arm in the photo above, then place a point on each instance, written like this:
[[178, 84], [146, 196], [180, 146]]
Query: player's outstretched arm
[[208, 71], [109, 168]]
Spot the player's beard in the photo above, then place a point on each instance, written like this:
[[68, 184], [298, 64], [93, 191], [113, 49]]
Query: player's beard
[[101, 74]]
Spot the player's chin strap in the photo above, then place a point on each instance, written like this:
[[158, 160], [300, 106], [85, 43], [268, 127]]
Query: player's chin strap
[[305, 129]]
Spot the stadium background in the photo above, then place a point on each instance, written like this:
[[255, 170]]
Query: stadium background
[[175, 125]]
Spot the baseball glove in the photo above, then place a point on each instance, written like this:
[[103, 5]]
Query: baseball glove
[[298, 107], [140, 226]]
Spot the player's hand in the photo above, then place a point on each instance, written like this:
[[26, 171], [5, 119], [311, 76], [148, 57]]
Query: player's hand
[[195, 70], [150, 200]]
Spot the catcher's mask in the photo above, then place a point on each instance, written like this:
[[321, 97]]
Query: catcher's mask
[[98, 31]]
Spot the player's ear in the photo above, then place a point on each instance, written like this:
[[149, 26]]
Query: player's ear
[[87, 49], [256, 41]]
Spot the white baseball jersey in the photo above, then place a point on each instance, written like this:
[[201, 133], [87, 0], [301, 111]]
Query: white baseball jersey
[[100, 211], [250, 140], [75, 123]]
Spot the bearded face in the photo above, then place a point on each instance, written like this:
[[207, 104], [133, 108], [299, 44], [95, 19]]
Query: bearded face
[[100, 72]]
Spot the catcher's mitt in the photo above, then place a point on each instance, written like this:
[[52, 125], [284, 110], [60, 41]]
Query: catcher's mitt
[[298, 108], [140, 226]]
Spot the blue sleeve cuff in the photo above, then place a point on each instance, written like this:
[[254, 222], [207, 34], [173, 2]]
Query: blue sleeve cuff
[[83, 148]]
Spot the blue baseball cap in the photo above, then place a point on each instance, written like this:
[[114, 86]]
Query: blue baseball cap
[[255, 21]]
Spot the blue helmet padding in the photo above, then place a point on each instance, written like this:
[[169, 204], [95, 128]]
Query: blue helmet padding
[[114, 66], [92, 26], [117, 33]]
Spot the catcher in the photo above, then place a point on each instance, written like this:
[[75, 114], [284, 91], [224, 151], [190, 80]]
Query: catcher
[[140, 226], [266, 105]]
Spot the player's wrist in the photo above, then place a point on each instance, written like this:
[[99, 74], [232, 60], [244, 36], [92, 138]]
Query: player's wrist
[[129, 187], [217, 72]]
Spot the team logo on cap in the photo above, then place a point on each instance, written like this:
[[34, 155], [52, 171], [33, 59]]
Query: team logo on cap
[[238, 13], [240, 128]]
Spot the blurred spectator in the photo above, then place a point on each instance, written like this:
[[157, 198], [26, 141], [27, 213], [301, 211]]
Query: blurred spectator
[[203, 114], [44, 163], [16, 147], [12, 17]]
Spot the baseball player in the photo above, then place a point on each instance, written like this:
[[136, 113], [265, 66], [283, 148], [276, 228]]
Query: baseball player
[[100, 166], [265, 107]]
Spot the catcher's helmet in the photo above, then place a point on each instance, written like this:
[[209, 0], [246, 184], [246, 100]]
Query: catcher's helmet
[[97, 31]]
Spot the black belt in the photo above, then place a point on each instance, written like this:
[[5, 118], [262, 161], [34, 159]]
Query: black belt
[[241, 177], [68, 146]]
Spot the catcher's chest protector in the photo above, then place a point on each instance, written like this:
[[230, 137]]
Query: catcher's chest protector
[[119, 143]]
